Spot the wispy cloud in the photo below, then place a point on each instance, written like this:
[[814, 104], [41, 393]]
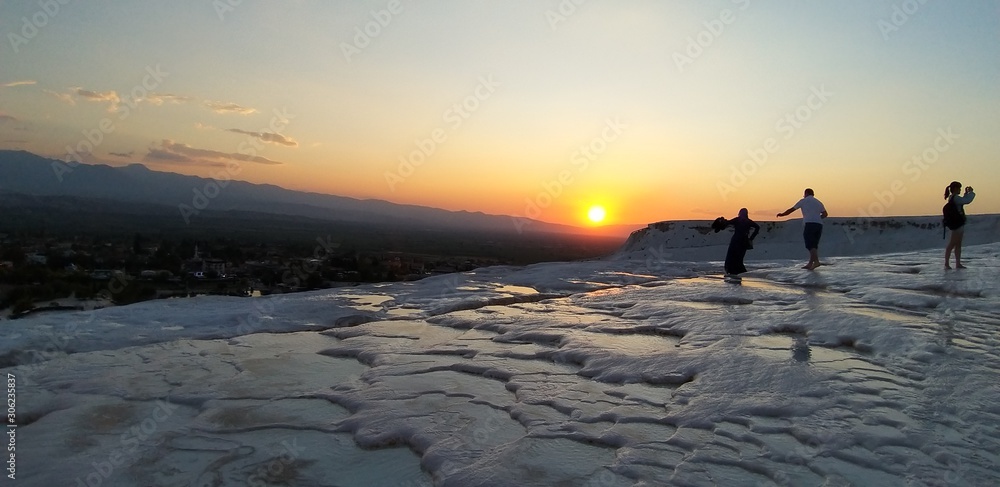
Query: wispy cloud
[[18, 83], [63, 97], [109, 97], [161, 98], [4, 118], [165, 156], [268, 137], [114, 101], [221, 107], [123, 155], [178, 153]]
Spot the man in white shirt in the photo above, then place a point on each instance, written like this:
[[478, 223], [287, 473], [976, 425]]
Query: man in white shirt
[[813, 213]]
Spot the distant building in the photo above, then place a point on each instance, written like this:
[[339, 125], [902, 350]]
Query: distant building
[[201, 266], [102, 274], [215, 265]]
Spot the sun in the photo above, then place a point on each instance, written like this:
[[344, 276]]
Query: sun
[[596, 214]]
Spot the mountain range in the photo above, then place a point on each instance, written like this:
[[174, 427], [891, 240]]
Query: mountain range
[[25, 173]]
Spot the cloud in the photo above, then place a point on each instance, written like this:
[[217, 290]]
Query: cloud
[[268, 137], [174, 152], [18, 83], [4, 118], [201, 126], [220, 107], [161, 98], [123, 155], [162, 155], [63, 97], [114, 100], [110, 97]]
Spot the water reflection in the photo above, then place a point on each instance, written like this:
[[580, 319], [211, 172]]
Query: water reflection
[[778, 346], [800, 349]]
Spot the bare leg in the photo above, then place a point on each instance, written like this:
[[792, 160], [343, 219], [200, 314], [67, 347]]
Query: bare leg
[[949, 248], [953, 243], [958, 248], [813, 259]]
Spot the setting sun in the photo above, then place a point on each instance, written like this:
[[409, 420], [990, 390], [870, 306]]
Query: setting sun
[[596, 214]]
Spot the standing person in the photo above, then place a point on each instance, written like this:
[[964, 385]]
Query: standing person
[[813, 213], [954, 219], [738, 245]]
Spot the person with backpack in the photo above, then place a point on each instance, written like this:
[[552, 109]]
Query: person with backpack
[[954, 220]]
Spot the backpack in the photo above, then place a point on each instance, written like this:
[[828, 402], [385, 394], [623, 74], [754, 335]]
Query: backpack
[[953, 217]]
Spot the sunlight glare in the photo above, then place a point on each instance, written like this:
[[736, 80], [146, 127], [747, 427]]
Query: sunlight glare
[[596, 214]]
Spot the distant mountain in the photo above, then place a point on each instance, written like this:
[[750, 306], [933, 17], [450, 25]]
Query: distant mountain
[[29, 174]]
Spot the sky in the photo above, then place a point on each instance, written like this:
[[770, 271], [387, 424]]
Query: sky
[[654, 110]]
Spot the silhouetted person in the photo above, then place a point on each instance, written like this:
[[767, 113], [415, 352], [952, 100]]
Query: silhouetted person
[[741, 241], [954, 219], [813, 213]]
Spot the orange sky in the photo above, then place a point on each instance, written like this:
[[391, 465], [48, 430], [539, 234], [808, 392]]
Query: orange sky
[[679, 110]]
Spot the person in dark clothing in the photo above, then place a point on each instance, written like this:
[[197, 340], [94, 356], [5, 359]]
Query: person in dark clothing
[[958, 227], [742, 241]]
